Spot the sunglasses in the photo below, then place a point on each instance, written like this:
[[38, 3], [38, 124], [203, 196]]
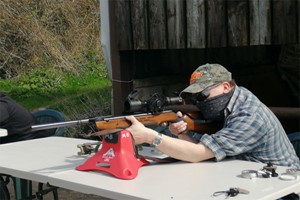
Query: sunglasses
[[194, 98]]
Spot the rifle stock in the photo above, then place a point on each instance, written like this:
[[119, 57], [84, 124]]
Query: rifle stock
[[148, 119], [154, 120]]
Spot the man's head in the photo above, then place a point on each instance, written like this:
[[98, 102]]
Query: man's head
[[210, 89], [205, 76]]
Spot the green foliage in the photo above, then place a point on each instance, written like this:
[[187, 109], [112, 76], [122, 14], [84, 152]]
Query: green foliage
[[38, 82], [95, 64], [7, 85]]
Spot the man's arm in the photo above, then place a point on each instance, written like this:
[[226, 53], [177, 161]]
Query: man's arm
[[176, 148], [4, 113]]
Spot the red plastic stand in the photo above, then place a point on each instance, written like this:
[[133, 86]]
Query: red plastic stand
[[117, 157]]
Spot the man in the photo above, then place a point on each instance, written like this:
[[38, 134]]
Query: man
[[250, 131], [17, 120]]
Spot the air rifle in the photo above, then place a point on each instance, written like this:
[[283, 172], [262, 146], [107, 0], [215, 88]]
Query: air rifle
[[150, 112]]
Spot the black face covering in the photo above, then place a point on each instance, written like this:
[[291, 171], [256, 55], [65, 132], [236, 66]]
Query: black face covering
[[213, 108]]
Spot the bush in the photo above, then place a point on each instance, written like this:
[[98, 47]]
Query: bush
[[39, 82], [52, 34]]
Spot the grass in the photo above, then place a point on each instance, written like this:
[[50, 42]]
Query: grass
[[52, 89], [77, 97]]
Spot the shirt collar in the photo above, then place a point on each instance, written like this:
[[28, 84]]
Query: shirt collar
[[234, 97]]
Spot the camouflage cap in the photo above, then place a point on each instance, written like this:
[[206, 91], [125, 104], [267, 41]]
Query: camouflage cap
[[206, 75]]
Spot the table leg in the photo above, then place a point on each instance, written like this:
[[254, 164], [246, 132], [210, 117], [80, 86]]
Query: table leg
[[23, 188]]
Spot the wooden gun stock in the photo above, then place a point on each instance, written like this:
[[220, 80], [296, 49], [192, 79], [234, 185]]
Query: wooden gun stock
[[154, 120], [201, 126], [149, 120]]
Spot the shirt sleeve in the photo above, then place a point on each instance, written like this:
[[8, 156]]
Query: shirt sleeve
[[242, 133], [4, 115]]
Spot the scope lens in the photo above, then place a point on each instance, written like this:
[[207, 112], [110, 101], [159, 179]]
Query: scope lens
[[134, 106]]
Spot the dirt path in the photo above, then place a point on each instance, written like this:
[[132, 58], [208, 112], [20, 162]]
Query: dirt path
[[63, 194]]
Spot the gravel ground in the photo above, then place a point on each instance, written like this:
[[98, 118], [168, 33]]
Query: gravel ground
[[63, 194]]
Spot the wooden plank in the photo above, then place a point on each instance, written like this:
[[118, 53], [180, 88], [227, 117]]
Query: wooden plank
[[218, 55], [196, 31], [176, 24], [284, 22], [216, 23], [123, 28], [237, 12], [121, 76], [122, 82], [260, 22], [163, 85], [139, 24], [298, 9], [157, 24]]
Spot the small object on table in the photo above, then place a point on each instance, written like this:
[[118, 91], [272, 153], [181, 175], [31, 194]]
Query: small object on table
[[88, 148], [232, 192], [271, 168]]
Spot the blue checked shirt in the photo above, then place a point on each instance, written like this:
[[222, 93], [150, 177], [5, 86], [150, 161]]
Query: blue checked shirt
[[251, 132]]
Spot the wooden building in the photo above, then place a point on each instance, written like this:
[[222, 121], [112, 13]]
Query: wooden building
[[154, 45]]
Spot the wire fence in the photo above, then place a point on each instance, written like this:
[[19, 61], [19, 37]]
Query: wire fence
[[89, 105]]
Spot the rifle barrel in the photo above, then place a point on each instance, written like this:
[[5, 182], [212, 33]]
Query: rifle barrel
[[39, 127]]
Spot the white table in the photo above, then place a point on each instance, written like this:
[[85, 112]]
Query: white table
[[3, 132], [54, 159]]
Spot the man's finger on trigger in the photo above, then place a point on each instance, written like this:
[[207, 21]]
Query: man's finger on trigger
[[179, 114]]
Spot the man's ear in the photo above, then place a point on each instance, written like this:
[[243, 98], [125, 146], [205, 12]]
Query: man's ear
[[227, 87]]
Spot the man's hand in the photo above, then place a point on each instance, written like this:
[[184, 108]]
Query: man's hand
[[178, 128], [140, 133]]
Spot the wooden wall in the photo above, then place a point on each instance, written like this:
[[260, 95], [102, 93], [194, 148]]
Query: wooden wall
[[176, 24], [156, 44]]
